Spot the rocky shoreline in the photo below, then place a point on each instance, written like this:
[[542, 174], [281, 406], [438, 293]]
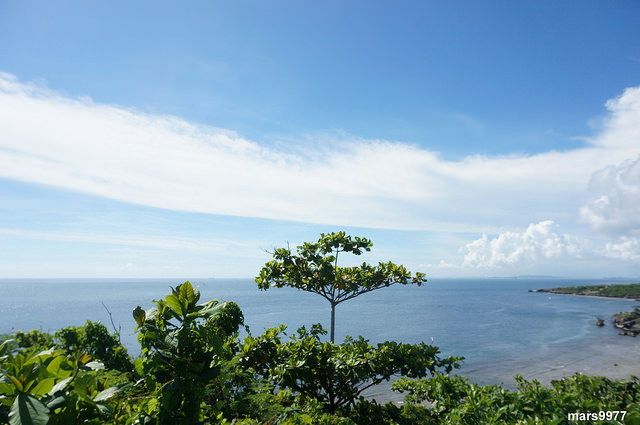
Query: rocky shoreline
[[627, 321]]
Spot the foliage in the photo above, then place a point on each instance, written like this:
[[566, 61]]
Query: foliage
[[456, 401], [195, 371], [314, 268], [183, 345], [335, 374], [631, 290], [95, 339], [33, 339], [46, 387]]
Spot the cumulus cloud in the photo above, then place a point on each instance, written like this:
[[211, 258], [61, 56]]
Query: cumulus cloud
[[625, 248], [615, 206], [170, 163], [538, 242]]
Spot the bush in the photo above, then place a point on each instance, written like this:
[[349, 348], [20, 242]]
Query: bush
[[95, 339], [335, 374]]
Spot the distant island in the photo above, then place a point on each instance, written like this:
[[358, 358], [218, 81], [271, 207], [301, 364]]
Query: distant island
[[628, 322], [631, 290]]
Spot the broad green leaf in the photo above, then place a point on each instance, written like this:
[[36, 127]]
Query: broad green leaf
[[56, 402], [43, 386], [6, 388], [42, 354], [106, 394], [28, 410], [186, 292], [60, 367], [60, 385], [209, 309], [174, 304], [94, 365], [172, 339]]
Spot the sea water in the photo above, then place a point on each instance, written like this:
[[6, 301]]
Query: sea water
[[498, 325]]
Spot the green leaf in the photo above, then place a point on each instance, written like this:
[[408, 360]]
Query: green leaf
[[139, 315], [186, 292], [60, 385], [56, 403], [15, 382], [60, 367], [44, 353], [6, 401], [7, 389], [172, 339], [174, 304], [209, 309], [94, 365], [28, 410], [106, 394], [43, 386], [4, 344], [84, 358]]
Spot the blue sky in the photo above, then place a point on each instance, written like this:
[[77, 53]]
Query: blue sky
[[166, 139]]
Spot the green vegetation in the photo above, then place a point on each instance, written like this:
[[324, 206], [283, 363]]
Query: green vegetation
[[315, 269], [631, 290], [194, 369]]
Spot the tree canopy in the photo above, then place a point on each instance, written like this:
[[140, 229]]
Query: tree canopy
[[314, 268]]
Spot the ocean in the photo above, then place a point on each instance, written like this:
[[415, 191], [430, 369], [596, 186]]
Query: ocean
[[496, 324]]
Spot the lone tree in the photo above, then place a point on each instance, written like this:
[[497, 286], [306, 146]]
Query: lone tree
[[314, 268]]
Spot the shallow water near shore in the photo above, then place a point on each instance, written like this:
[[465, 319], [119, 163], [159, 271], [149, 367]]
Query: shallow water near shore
[[496, 324]]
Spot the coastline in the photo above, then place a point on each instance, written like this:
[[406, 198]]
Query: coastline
[[556, 291], [611, 290], [614, 358], [627, 322], [610, 355]]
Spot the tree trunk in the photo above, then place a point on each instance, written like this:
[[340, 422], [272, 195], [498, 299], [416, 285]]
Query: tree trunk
[[333, 320]]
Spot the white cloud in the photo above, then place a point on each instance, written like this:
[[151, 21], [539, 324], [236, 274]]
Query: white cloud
[[615, 208], [625, 248], [539, 242], [170, 163]]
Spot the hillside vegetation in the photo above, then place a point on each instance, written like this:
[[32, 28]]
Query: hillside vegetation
[[631, 290]]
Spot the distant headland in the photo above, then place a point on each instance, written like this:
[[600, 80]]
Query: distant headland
[[630, 290]]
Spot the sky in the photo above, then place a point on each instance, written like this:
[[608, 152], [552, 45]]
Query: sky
[[189, 139]]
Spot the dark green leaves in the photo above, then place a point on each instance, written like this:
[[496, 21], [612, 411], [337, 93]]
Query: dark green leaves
[[182, 347], [336, 374], [28, 410]]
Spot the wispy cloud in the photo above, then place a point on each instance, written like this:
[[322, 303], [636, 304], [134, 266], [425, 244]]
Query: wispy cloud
[[162, 242], [167, 162]]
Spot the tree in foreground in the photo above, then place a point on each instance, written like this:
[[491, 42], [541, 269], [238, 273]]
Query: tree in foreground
[[335, 375], [314, 268]]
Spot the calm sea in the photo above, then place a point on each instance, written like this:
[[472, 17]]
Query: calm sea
[[496, 324]]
